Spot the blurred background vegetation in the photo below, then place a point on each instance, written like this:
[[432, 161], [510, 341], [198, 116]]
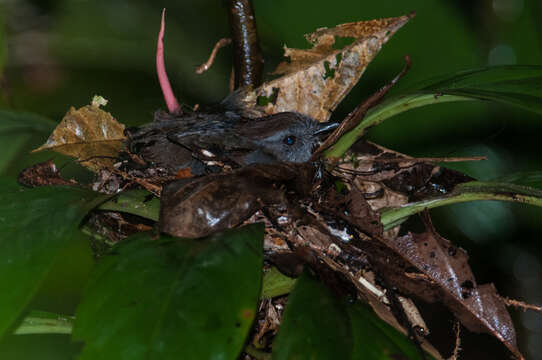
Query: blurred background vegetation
[[59, 53]]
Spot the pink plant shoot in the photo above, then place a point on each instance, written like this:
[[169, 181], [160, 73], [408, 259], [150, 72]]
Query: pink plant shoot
[[171, 101]]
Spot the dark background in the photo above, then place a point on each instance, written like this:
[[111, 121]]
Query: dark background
[[57, 54]]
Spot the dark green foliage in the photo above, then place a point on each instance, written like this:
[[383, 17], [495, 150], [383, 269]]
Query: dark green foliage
[[35, 225], [171, 298], [512, 85], [318, 325]]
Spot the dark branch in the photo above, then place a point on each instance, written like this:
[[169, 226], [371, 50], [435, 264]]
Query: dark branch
[[247, 56]]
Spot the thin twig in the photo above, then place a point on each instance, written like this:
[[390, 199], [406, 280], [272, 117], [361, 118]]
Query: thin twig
[[359, 112], [457, 347], [520, 304], [150, 187], [420, 159], [207, 65]]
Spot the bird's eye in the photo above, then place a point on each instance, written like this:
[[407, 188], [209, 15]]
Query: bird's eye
[[289, 140]]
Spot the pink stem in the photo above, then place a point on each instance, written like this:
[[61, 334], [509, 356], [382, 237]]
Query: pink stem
[[171, 101]]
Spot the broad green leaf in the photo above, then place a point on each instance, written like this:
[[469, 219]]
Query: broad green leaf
[[318, 325], [12, 122], [13, 146], [519, 86], [173, 298], [35, 225], [16, 129], [471, 191], [375, 339], [526, 178], [315, 324], [137, 202]]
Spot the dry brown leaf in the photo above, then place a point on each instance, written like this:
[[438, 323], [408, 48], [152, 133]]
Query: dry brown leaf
[[315, 81], [434, 270], [91, 135]]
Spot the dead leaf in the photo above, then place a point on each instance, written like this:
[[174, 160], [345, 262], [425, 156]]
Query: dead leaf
[[205, 205], [429, 267], [90, 135], [315, 81]]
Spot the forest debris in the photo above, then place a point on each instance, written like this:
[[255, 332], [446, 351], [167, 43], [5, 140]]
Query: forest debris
[[413, 315], [391, 179], [89, 134], [42, 174], [315, 81], [270, 323]]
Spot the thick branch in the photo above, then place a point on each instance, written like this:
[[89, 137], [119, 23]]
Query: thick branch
[[247, 56]]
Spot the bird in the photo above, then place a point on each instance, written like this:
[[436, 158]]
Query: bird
[[201, 141]]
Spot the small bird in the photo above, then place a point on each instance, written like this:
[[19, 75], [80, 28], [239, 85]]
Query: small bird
[[199, 141]]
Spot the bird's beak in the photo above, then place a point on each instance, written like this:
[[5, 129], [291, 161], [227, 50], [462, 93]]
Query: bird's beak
[[325, 129]]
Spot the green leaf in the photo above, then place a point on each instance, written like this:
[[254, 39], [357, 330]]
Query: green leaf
[[276, 284], [318, 325], [13, 121], [526, 178], [375, 339], [517, 85], [136, 202], [15, 131], [173, 298], [471, 191], [315, 324], [35, 224]]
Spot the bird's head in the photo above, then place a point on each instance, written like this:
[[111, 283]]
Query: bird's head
[[288, 136]]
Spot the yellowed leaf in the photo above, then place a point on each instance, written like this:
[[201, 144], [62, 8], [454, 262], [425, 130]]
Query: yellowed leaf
[[91, 135], [315, 81]]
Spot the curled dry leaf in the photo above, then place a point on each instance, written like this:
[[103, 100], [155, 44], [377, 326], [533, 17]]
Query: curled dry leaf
[[429, 267], [201, 206], [315, 81], [90, 135]]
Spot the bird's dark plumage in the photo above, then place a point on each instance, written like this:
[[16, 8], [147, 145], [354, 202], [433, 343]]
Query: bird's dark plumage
[[198, 139]]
